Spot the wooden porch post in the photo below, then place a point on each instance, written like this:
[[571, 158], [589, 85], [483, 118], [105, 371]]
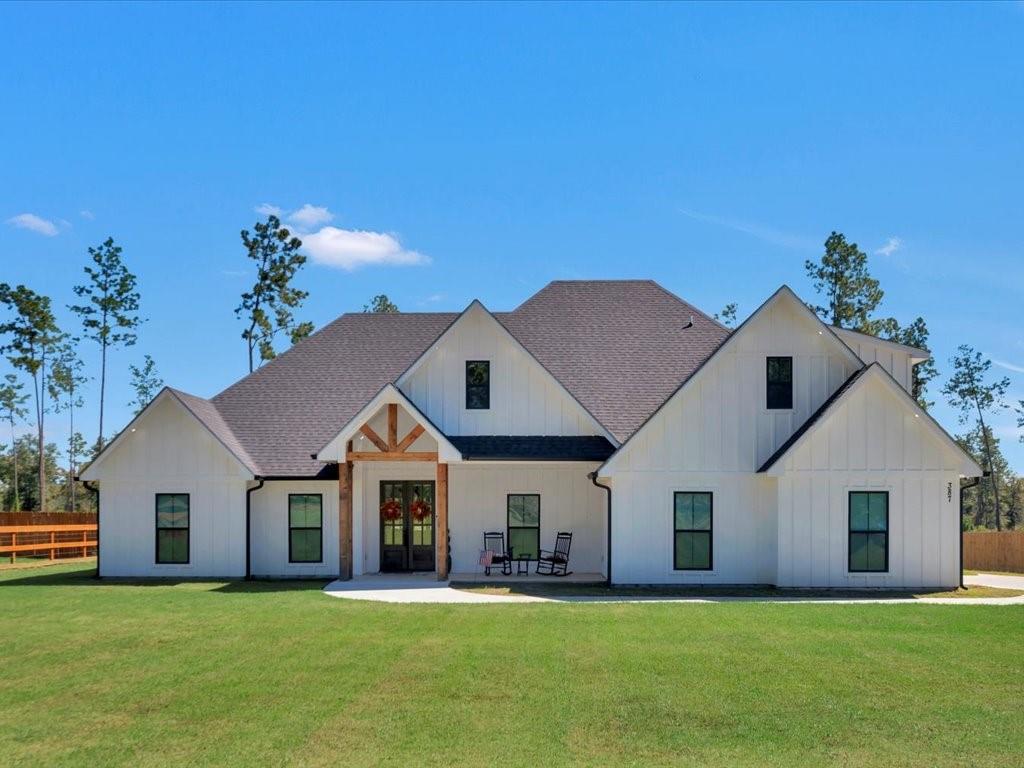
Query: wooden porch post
[[441, 501], [344, 520]]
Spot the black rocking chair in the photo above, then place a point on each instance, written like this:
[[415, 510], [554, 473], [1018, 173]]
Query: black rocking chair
[[556, 563], [494, 542]]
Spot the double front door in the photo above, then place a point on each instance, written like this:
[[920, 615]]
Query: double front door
[[407, 525]]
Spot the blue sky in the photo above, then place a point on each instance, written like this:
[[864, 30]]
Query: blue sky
[[480, 151]]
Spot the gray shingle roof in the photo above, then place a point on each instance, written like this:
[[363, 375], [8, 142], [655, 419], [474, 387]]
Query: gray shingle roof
[[296, 403], [620, 347], [533, 447]]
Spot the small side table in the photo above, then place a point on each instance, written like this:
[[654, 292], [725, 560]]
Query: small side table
[[522, 566]]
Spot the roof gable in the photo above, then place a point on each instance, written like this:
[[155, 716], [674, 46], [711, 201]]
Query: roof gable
[[865, 377], [783, 295], [485, 335], [202, 411], [334, 450]]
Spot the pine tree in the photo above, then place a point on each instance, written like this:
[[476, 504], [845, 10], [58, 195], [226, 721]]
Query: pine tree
[[65, 383], [381, 305], [727, 316], [12, 410], [33, 340], [267, 308], [971, 394], [842, 275], [145, 382], [110, 314]]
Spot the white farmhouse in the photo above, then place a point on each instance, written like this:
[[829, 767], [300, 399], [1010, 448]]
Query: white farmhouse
[[674, 450]]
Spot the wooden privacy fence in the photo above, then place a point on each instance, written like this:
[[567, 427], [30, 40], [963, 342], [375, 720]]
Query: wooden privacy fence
[[994, 551], [47, 535]]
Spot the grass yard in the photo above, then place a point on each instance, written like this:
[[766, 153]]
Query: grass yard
[[234, 674]]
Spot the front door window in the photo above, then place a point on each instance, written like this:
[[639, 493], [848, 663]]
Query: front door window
[[407, 525]]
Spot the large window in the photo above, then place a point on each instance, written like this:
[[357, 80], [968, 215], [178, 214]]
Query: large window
[[305, 528], [172, 528], [478, 384], [692, 522], [869, 531], [524, 524], [780, 383]]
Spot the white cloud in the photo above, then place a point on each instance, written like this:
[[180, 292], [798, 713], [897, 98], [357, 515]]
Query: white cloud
[[892, 245], [1009, 366], [309, 216], [266, 209], [87, 215], [350, 249], [34, 223]]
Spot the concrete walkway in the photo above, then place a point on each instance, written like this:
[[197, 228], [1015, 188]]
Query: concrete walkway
[[414, 588], [425, 588]]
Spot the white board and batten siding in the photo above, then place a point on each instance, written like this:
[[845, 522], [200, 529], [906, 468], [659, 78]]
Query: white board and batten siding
[[270, 530], [477, 502], [712, 436], [525, 398], [170, 452], [896, 359], [870, 442]]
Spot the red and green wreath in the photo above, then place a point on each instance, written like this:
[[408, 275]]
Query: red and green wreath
[[419, 510], [391, 510]]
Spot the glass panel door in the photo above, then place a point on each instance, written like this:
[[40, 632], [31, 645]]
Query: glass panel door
[[392, 527], [406, 525]]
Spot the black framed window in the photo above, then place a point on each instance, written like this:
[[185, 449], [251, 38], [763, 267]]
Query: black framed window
[[305, 528], [692, 517], [869, 531], [524, 524], [779, 377], [478, 384], [172, 528]]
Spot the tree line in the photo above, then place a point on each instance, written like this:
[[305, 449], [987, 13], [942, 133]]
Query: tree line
[[49, 375]]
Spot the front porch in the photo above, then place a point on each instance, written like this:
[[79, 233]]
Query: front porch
[[409, 501]]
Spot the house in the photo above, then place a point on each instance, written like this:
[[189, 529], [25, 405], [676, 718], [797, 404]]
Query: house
[[676, 451]]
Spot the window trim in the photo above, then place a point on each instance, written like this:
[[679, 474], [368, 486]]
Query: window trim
[[710, 530], [288, 513], [467, 385], [157, 529], [767, 382], [850, 532], [509, 528]]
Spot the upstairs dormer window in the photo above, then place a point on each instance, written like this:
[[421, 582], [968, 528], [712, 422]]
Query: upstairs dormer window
[[478, 385], [780, 383]]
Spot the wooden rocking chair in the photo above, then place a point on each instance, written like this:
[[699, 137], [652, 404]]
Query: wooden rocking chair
[[556, 562], [494, 542]]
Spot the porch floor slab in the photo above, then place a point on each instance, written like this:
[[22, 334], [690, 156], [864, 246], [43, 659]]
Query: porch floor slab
[[413, 588]]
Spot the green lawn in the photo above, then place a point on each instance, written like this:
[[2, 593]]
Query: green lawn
[[278, 674]]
